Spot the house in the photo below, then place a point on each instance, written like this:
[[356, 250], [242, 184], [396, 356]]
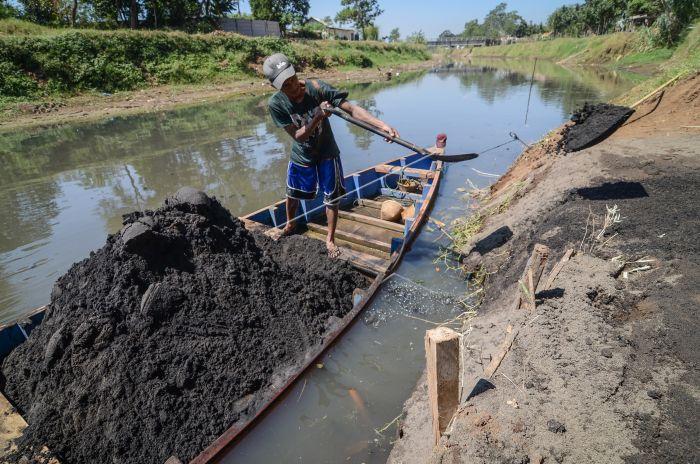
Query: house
[[328, 31]]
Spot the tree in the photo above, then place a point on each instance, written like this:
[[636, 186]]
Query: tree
[[394, 35], [328, 20], [361, 13], [43, 11], [416, 37], [473, 29], [446, 34], [283, 11], [370, 32], [500, 22], [7, 11]]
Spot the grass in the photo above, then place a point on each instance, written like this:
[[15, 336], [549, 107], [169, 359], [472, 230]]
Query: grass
[[14, 26], [684, 61], [38, 62], [621, 49], [464, 229]]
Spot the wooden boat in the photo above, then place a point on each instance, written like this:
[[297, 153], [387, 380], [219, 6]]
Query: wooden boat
[[372, 245]]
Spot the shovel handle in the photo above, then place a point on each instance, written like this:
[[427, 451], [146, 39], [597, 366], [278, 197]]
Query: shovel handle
[[376, 130]]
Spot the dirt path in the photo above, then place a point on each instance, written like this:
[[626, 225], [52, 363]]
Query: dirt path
[[605, 369], [94, 107]]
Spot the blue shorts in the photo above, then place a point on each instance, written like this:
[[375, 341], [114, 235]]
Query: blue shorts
[[304, 182]]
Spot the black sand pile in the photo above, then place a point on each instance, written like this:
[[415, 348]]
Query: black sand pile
[[593, 123], [170, 333]]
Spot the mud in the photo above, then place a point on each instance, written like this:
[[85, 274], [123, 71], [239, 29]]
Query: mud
[[605, 369], [170, 333], [592, 124]]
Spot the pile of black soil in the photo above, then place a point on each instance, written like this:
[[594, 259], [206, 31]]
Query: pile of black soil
[[593, 123], [170, 333]]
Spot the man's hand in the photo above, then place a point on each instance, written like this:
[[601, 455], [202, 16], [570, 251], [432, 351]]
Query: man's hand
[[321, 110], [390, 130]]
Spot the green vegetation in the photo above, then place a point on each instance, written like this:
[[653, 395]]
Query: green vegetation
[[360, 13], [68, 61], [497, 23], [684, 61], [283, 11], [667, 18], [621, 49]]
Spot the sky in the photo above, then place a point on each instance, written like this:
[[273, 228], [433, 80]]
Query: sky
[[435, 16]]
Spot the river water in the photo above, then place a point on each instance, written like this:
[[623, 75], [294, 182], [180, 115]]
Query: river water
[[63, 189]]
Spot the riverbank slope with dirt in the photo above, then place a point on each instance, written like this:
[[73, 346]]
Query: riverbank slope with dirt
[[605, 368]]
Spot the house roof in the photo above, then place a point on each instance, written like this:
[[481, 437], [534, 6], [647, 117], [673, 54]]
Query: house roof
[[328, 26]]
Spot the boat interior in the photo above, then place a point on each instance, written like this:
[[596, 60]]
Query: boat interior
[[364, 238]]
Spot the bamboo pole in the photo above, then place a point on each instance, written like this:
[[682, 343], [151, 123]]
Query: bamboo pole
[[669, 82]]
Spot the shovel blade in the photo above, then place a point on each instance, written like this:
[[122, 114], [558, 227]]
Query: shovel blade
[[454, 158]]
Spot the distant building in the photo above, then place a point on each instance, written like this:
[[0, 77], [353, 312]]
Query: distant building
[[633, 22], [251, 27], [329, 31]]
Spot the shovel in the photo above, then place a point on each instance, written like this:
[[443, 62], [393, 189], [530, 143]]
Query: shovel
[[403, 143]]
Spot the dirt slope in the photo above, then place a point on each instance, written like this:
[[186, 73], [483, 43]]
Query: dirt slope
[[606, 368]]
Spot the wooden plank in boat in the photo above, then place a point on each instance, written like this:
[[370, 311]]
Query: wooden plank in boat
[[370, 203], [368, 232], [422, 173], [365, 230], [346, 244], [371, 220], [402, 195], [364, 261], [365, 211], [353, 237]]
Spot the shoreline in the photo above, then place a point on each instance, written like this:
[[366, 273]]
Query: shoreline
[[604, 368], [92, 107]]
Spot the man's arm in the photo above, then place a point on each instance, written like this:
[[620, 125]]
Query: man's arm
[[364, 115], [302, 134]]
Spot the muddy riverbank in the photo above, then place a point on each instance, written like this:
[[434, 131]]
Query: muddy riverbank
[[173, 331], [605, 369], [93, 107]]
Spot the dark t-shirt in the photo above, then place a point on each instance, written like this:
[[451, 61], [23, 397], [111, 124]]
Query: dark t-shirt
[[321, 144]]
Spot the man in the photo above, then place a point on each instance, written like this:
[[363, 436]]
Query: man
[[314, 164]]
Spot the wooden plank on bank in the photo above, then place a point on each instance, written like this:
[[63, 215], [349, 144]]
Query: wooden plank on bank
[[442, 356], [557, 269]]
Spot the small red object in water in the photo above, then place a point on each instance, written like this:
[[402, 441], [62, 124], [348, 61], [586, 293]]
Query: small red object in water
[[441, 141]]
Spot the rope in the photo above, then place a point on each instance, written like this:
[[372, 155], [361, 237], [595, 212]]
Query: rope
[[529, 94], [379, 179], [515, 137]]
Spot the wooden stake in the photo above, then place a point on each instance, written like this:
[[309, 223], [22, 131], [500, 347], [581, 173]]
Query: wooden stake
[[557, 269], [442, 356], [532, 274]]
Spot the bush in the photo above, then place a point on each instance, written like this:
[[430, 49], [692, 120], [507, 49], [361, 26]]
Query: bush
[[70, 61], [15, 83]]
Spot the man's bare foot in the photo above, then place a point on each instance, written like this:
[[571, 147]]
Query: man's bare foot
[[333, 250], [288, 230], [275, 233]]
